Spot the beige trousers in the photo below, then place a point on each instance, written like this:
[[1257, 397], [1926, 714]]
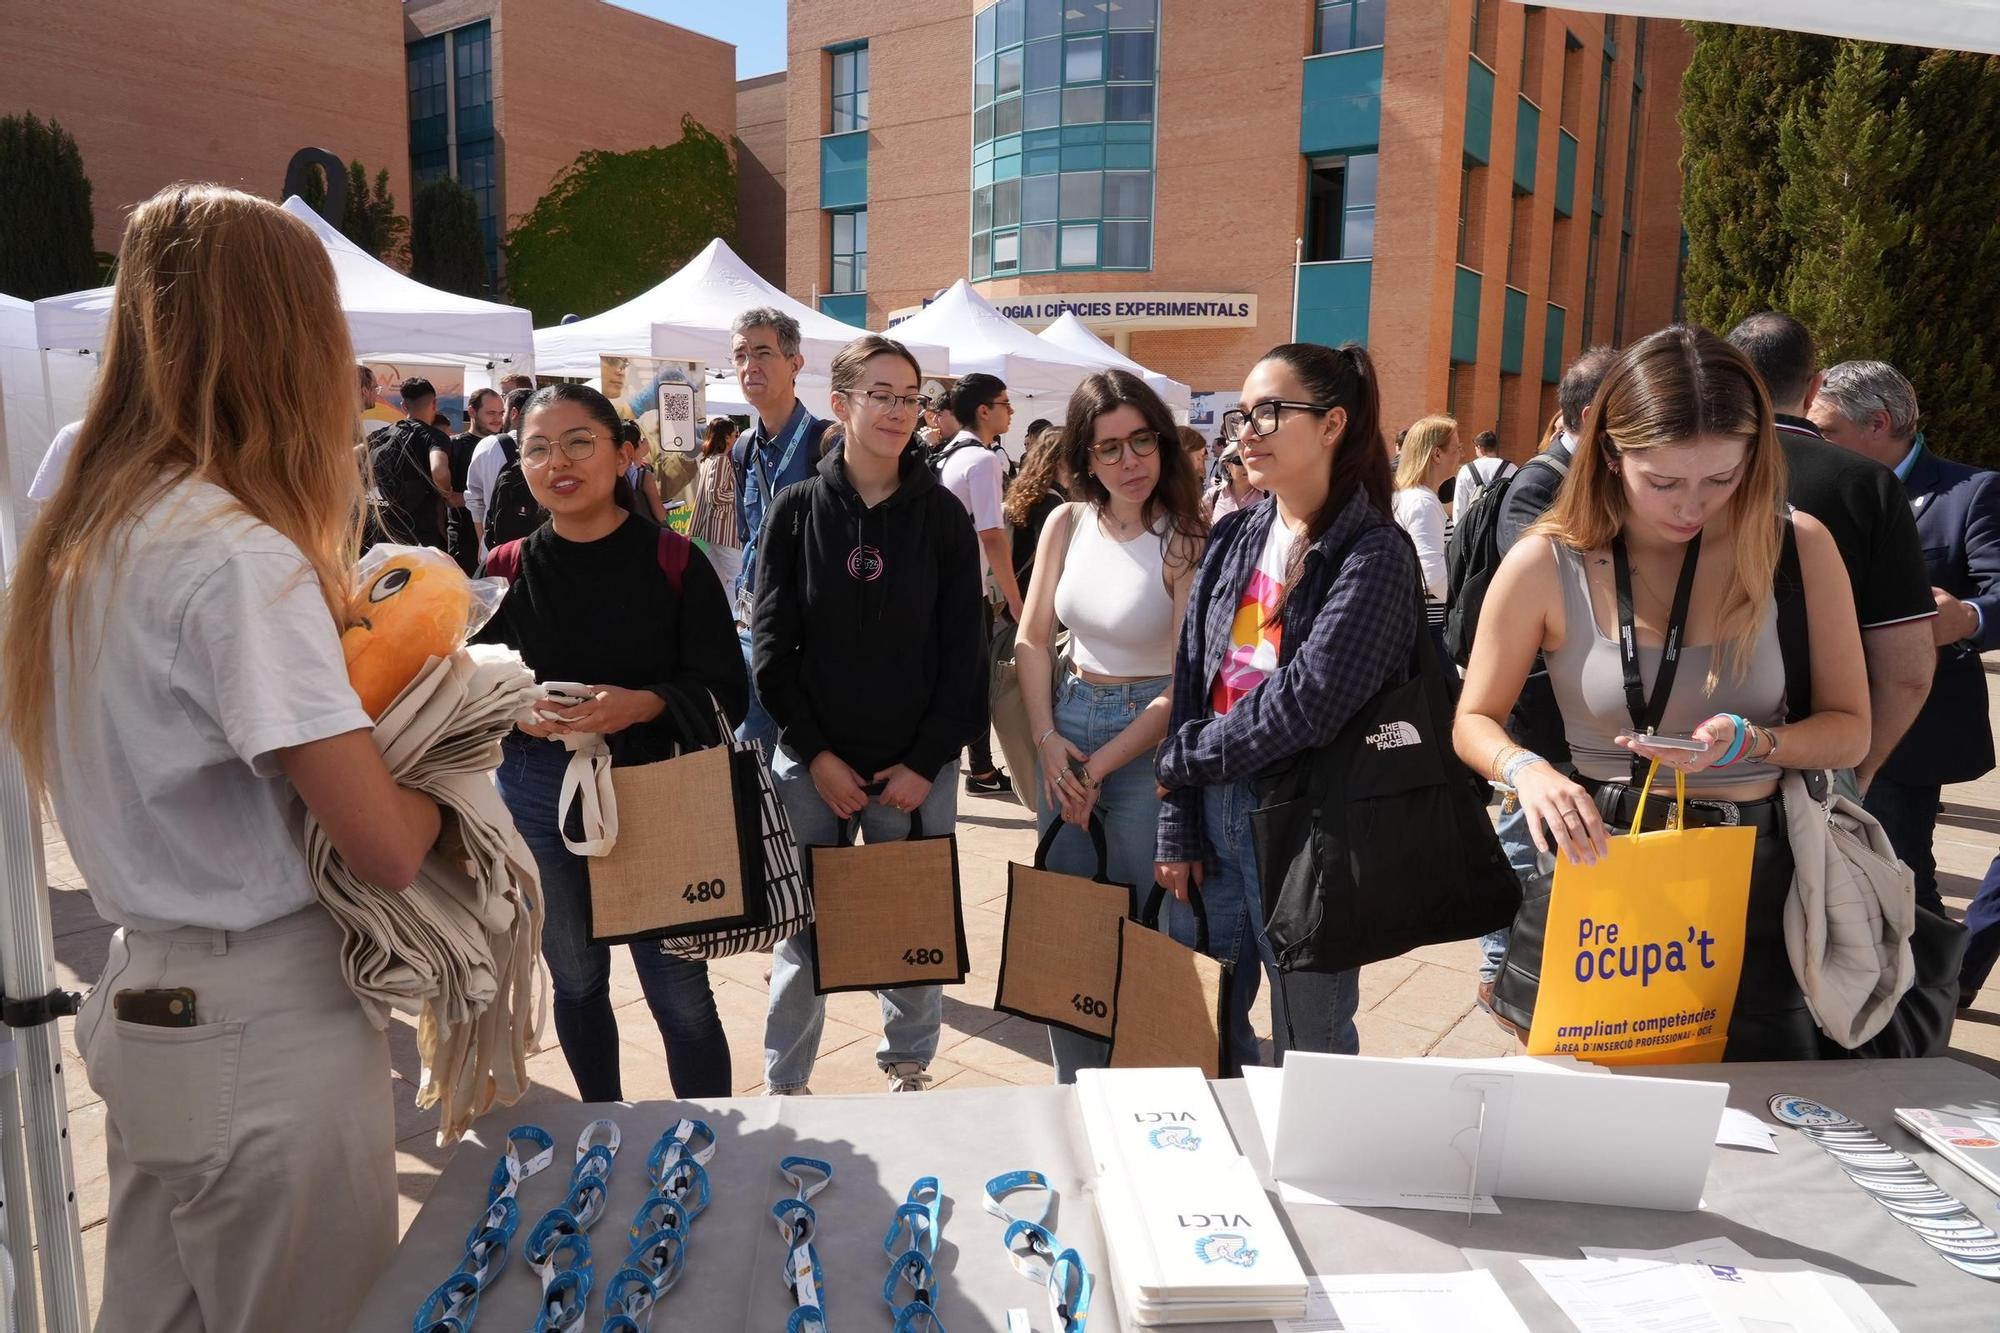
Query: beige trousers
[[252, 1157]]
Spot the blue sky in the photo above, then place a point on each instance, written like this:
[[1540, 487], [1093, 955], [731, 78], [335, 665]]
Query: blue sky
[[756, 26]]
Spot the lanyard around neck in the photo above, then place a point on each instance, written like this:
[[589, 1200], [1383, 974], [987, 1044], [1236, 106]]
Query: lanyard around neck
[[1647, 713]]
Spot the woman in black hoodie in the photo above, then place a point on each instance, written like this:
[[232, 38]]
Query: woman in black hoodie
[[869, 654]]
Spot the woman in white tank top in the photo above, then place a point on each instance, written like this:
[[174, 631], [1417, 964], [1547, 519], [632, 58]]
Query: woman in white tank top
[[1113, 569]]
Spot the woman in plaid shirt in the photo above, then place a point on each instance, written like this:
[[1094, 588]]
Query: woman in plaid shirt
[[1305, 606]]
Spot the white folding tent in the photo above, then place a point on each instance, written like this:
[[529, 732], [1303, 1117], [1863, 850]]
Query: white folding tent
[[390, 316], [24, 410], [1959, 25], [687, 317], [985, 341], [1073, 335]]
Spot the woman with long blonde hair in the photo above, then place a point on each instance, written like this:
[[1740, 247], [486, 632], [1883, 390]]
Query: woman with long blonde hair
[[175, 681], [1655, 573], [1431, 453]]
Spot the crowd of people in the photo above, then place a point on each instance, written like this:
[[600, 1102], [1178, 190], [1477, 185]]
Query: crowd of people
[[1185, 618]]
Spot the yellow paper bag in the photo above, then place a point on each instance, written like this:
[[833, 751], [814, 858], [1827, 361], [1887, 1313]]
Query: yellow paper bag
[[1643, 950]]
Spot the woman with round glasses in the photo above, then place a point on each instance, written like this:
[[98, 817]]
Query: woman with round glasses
[[1304, 608], [589, 602], [1114, 568], [870, 654]]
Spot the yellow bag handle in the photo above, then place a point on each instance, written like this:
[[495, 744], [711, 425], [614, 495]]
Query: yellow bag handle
[[1679, 817]]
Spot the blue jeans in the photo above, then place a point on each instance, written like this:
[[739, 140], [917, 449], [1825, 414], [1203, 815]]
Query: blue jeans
[[1982, 924], [1527, 864], [1090, 717], [1310, 1011], [758, 725], [677, 991], [910, 1014]]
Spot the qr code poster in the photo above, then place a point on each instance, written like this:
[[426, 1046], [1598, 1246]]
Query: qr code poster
[[665, 397]]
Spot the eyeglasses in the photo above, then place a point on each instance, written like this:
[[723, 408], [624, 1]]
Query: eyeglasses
[[1142, 443], [889, 402], [576, 446], [1262, 419], [761, 355], [1234, 460]]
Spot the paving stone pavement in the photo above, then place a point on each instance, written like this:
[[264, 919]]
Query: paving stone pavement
[[1419, 1004]]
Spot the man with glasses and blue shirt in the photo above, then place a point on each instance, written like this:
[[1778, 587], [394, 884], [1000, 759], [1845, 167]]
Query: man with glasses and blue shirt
[[781, 449]]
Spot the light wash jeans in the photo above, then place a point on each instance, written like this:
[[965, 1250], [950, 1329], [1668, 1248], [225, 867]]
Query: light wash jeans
[[1089, 717], [1310, 1011], [1527, 863], [910, 1014], [758, 725]]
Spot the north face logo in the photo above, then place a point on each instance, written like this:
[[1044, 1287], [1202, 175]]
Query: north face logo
[[1395, 736]]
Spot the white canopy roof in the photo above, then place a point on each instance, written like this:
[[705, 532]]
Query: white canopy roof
[[24, 413], [1074, 336], [982, 339], [389, 315], [687, 317], [1960, 25]]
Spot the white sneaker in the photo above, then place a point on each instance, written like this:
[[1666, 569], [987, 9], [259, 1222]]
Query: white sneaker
[[907, 1076], [788, 1092]]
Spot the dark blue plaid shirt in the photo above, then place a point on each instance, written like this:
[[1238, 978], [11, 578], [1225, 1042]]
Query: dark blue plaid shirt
[[1348, 634]]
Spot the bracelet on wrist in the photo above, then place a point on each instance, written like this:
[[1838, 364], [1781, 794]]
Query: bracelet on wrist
[[1043, 739], [1518, 762], [1504, 756], [1740, 729]]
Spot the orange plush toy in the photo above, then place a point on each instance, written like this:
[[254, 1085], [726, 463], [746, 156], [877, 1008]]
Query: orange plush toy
[[410, 604]]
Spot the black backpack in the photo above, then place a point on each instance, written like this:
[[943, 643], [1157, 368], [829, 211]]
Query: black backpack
[[1473, 554], [941, 455], [512, 511], [412, 512]]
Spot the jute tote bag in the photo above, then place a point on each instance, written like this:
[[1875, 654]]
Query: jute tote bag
[[1170, 1001], [1059, 952], [888, 914]]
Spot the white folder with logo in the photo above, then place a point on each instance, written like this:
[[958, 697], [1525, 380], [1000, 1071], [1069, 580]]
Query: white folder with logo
[[1151, 1119], [1199, 1243]]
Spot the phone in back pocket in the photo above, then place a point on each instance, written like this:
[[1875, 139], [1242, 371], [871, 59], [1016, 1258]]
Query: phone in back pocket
[[169, 1007]]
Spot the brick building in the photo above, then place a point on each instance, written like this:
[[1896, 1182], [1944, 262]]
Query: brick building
[[183, 92], [760, 175], [506, 116], [1475, 188]]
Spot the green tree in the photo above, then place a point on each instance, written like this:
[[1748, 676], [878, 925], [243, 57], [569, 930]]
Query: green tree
[[614, 224], [45, 222], [446, 248], [1845, 154], [1739, 83], [369, 217]]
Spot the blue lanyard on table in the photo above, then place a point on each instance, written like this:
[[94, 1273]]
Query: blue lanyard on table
[[659, 1230], [918, 1216], [797, 1224], [454, 1304], [1036, 1253], [558, 1249]]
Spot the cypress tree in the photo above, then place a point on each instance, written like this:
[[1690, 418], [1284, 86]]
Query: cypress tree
[[371, 220], [45, 222], [1846, 158], [1739, 83], [446, 248]]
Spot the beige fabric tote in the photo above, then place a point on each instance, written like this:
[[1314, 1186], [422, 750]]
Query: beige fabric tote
[[1169, 1007], [1850, 916], [1059, 950], [887, 914]]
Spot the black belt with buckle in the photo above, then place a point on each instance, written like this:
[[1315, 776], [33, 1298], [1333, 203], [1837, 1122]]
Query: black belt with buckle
[[1618, 801]]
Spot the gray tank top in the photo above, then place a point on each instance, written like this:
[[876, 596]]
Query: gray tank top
[[1590, 689]]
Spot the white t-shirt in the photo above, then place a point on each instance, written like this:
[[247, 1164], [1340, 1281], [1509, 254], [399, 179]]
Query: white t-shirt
[[978, 477], [1422, 516], [49, 475], [480, 474], [1477, 475], [214, 650]]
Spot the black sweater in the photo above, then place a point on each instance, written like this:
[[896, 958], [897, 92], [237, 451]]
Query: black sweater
[[869, 636], [603, 613]]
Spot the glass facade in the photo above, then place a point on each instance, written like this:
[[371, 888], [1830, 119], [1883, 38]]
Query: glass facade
[[850, 90], [1063, 136], [1347, 25], [843, 190], [850, 253], [451, 120]]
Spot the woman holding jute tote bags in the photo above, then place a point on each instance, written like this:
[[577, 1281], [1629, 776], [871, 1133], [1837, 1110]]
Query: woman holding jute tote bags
[[1649, 591], [870, 655], [1115, 570], [598, 597]]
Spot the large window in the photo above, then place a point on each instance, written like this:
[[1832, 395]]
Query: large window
[[850, 252], [451, 120], [1062, 142], [1340, 209], [430, 112], [850, 89], [1347, 25]]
